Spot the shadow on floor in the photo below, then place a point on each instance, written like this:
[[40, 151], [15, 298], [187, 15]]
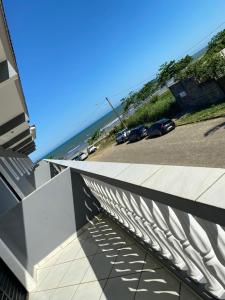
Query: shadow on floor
[[214, 129], [104, 262]]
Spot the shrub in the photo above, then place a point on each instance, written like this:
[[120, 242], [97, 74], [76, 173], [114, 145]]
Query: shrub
[[165, 106]]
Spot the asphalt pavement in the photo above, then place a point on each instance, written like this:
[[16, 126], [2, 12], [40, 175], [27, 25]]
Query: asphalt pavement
[[199, 144]]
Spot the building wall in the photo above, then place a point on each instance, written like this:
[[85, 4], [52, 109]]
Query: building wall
[[7, 198], [46, 218], [17, 169], [42, 173], [190, 95]]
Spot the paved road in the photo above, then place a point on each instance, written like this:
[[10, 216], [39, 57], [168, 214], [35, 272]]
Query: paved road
[[200, 144]]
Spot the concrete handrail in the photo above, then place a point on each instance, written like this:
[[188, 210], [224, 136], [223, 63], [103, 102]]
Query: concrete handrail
[[177, 211]]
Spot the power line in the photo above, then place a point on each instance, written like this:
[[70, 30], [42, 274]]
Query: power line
[[186, 52], [203, 39]]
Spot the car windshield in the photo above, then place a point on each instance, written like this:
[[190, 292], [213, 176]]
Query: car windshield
[[118, 134], [166, 122], [134, 131], [155, 126]]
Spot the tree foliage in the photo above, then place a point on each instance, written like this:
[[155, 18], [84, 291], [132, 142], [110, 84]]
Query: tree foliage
[[134, 99], [206, 68], [217, 43], [172, 69], [94, 137]]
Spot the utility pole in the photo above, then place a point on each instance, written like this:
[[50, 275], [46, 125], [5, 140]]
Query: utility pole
[[116, 113]]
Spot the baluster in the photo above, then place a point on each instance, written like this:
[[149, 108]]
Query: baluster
[[171, 218], [139, 218], [202, 243], [168, 238], [119, 209], [130, 214], [155, 231], [212, 285], [125, 214], [216, 235]]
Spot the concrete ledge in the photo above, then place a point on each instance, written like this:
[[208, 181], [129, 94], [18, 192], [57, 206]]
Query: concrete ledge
[[16, 267], [192, 189]]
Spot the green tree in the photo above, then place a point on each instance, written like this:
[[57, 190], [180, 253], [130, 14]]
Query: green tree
[[217, 43], [172, 69], [94, 137], [206, 68]]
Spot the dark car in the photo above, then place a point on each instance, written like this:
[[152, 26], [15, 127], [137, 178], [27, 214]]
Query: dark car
[[122, 136], [137, 133], [161, 127]]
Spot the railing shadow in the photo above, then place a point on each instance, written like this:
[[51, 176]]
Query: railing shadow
[[122, 267], [175, 236]]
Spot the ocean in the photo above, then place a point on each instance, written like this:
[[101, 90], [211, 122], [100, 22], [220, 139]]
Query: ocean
[[79, 141]]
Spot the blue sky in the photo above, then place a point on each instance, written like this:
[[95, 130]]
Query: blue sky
[[73, 53]]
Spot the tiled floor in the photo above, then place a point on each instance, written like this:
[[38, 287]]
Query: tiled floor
[[103, 262]]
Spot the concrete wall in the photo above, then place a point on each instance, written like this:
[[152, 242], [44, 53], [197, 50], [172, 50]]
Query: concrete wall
[[46, 218], [42, 173], [189, 94], [195, 190], [18, 171], [7, 198]]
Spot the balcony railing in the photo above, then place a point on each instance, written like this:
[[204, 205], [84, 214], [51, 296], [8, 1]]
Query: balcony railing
[[176, 212]]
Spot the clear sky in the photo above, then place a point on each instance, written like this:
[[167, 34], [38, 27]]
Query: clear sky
[[73, 53]]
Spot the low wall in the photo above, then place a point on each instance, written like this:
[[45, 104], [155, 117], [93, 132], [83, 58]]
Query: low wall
[[177, 212], [46, 218], [17, 169], [191, 95]]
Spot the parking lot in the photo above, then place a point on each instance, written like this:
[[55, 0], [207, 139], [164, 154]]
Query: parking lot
[[199, 144]]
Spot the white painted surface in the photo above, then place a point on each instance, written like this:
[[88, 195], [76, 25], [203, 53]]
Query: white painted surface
[[16, 267]]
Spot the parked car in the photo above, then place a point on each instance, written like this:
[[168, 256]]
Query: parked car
[[122, 136], [91, 149], [137, 133], [161, 127], [81, 156]]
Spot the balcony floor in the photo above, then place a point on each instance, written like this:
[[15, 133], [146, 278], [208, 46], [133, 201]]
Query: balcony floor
[[103, 262]]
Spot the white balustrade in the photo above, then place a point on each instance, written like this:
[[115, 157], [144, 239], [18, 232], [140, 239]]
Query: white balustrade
[[193, 245]]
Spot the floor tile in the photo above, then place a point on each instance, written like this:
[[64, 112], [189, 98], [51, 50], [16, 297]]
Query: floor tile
[[187, 294], [130, 259], [41, 295], [69, 252], [159, 285], [54, 276], [123, 287], [65, 293], [42, 274], [51, 261], [100, 268], [151, 263], [88, 248], [75, 272], [89, 291]]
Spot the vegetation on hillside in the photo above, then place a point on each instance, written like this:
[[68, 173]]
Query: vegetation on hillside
[[211, 65], [217, 43], [206, 68], [172, 69], [158, 107], [214, 111], [151, 108], [137, 98], [95, 136]]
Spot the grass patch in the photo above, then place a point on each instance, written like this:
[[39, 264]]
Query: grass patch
[[162, 106], [108, 140], [216, 110]]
